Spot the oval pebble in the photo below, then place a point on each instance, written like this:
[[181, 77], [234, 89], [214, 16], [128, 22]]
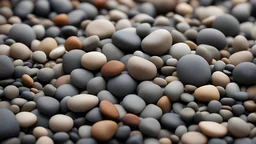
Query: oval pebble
[[104, 130], [238, 128], [93, 60], [106, 31], [194, 137], [48, 106], [26, 119], [202, 93], [61, 123], [213, 129], [150, 127]]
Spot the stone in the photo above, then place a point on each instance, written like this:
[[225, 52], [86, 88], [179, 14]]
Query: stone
[[20, 51], [243, 73], [212, 129], [93, 60], [112, 68], [240, 57], [48, 106], [61, 123], [220, 79], [174, 90], [104, 130], [108, 109], [133, 103], [26, 119], [6, 62], [238, 128], [207, 93], [150, 127], [47, 45], [194, 137], [179, 50], [106, 31], [72, 43]]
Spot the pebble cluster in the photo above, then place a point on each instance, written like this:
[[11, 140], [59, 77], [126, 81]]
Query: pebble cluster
[[127, 71]]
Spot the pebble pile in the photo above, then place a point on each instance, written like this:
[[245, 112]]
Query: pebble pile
[[127, 71]]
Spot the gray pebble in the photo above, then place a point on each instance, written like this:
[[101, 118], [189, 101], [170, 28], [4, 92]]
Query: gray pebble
[[49, 90], [45, 74], [143, 30], [65, 90], [72, 60], [106, 95], [28, 139], [39, 31], [6, 62], [232, 88], [152, 111], [90, 10], [133, 103], [48, 105], [39, 56], [171, 121], [112, 52], [174, 90], [80, 78], [95, 85], [61, 6], [240, 96], [123, 133], [214, 106], [23, 8], [94, 115], [187, 98], [135, 139], [42, 8], [63, 104], [150, 92], [85, 131], [217, 141], [150, 127], [121, 110], [91, 43], [243, 73], [187, 114], [180, 130], [243, 141], [87, 140], [60, 137], [238, 109], [75, 17], [213, 117]]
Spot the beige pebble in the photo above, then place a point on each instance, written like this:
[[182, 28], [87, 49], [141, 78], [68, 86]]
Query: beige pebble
[[213, 129], [104, 130], [93, 60], [20, 51], [220, 79], [29, 106], [106, 28], [207, 93], [241, 56], [116, 15], [40, 132], [61, 123], [47, 45], [194, 138], [4, 104], [184, 9], [14, 108], [160, 81], [165, 141], [157, 61], [44, 140], [82, 102], [240, 43], [26, 119], [4, 49], [57, 53]]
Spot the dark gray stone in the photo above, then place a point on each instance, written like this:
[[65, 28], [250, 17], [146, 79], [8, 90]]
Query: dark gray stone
[[42, 8], [24, 8], [94, 115], [95, 85], [48, 105], [72, 60], [75, 17], [244, 73], [80, 78], [61, 6], [90, 10], [65, 90], [171, 121], [214, 106], [7, 66], [123, 133], [60, 137]]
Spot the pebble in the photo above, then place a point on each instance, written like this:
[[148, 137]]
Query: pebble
[[80, 78], [149, 92], [28, 35], [213, 129], [108, 109], [133, 103], [48, 106], [82, 102], [60, 6], [9, 68], [89, 9], [106, 31], [61, 19], [150, 127], [45, 74], [61, 123], [72, 43], [194, 137], [40, 132], [238, 128], [112, 52], [171, 121], [220, 79], [20, 51], [11, 92], [91, 43], [240, 43], [90, 62], [241, 77], [152, 111], [240, 57], [104, 130], [26, 119], [202, 93], [44, 139], [189, 65], [138, 66], [9, 125], [112, 68], [179, 50], [65, 90], [159, 38], [131, 120], [39, 56], [72, 60]]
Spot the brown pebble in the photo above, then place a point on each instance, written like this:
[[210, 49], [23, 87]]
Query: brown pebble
[[34, 90], [207, 93], [224, 53], [61, 19], [170, 79], [165, 104], [40, 132], [131, 120], [251, 91], [47, 45], [194, 138], [27, 80], [65, 79], [104, 130], [72, 43], [44, 140], [220, 79], [108, 109], [99, 3], [227, 107], [250, 105], [112, 68]]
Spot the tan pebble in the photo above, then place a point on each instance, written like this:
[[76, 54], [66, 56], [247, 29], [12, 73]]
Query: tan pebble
[[27, 80], [240, 43], [165, 104], [194, 138], [14, 108], [135, 132], [82, 102], [157, 61], [106, 28], [161, 21], [141, 69], [241, 56], [61, 123], [44, 140], [112, 68], [224, 53], [168, 70], [34, 90], [40, 132], [65, 79], [72, 43], [4, 49], [213, 129], [184, 9], [207, 93], [20, 51], [29, 106], [131, 120], [47, 45], [108, 109], [26, 119], [170, 79], [14, 20], [250, 105], [251, 91], [208, 21], [104, 130], [191, 44], [93, 60], [160, 81], [174, 138], [165, 141], [61, 19], [57, 53], [4, 29], [116, 15], [220, 79], [226, 61]]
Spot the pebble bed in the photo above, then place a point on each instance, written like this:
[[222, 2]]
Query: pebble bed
[[127, 72]]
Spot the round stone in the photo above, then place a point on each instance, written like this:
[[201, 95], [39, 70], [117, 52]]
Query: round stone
[[212, 37], [179, 50], [20, 51], [80, 78], [61, 6], [227, 24], [6, 62], [157, 42], [22, 33], [133, 103], [171, 121], [150, 127], [240, 43], [194, 70], [207, 93], [72, 60], [244, 73], [40, 131], [214, 106], [39, 56], [93, 60], [126, 40], [108, 109], [82, 102], [65, 90], [212, 129], [104, 130], [152, 111], [45, 74], [60, 137], [174, 90], [61, 123], [73, 42], [47, 45], [61, 19], [11, 92], [238, 128], [141, 69], [9, 125], [220, 79], [149, 92], [26, 119], [123, 133], [106, 28], [112, 68], [48, 105], [44, 139], [194, 137], [85, 131]]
